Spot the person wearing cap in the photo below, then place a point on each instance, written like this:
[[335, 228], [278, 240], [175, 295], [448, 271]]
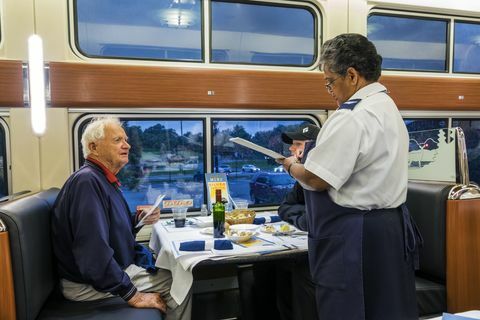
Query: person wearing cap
[[292, 209], [362, 242], [300, 304]]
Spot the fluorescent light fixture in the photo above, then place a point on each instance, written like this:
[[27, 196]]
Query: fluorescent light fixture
[[36, 81]]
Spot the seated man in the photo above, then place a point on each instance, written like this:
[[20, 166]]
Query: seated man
[[94, 234], [292, 209]]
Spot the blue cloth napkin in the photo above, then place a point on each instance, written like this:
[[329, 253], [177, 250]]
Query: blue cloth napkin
[[144, 258], [269, 219], [201, 245]]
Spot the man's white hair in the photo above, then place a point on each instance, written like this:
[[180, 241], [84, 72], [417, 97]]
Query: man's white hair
[[95, 131]]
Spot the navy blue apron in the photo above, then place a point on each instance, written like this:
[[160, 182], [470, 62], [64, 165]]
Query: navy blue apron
[[362, 261]]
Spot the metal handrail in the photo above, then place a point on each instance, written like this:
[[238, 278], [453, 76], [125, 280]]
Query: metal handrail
[[466, 189], [3, 227]]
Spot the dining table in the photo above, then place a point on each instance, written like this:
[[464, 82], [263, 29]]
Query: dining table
[[263, 246]]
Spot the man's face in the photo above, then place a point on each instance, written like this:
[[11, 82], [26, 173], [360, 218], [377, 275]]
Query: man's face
[[341, 88], [297, 147], [113, 149]]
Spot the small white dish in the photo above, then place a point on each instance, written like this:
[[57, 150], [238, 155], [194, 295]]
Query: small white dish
[[284, 229], [239, 236], [244, 227]]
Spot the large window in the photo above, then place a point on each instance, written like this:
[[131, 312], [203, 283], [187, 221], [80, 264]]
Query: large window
[[251, 175], [166, 157], [147, 29], [467, 47], [255, 32], [262, 34], [4, 169], [471, 128], [410, 43]]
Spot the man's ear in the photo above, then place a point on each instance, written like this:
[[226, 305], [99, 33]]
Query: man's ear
[[352, 76], [92, 146]]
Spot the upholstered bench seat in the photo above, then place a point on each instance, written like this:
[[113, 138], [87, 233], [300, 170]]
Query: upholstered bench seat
[[34, 277]]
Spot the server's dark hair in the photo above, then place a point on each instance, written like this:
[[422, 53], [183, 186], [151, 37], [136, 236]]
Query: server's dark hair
[[351, 50]]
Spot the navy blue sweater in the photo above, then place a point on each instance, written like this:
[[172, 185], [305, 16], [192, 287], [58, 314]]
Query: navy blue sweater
[[93, 235]]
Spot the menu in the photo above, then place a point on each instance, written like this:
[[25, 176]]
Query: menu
[[215, 181], [256, 147]]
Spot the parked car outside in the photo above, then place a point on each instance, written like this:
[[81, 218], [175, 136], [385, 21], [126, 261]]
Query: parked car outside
[[279, 169], [270, 187], [224, 168], [250, 168]]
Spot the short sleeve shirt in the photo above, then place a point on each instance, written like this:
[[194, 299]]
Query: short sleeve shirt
[[363, 153]]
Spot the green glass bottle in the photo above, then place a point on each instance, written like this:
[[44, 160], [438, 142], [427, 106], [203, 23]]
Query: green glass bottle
[[218, 215]]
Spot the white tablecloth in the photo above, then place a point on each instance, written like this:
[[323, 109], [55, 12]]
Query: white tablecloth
[[165, 237], [474, 314]]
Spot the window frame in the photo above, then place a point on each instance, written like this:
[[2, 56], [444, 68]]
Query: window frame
[[208, 115]]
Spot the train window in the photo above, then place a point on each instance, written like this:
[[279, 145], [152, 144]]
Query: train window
[[4, 170], [262, 34], [166, 157], [431, 150], [471, 128], [410, 43], [466, 47], [251, 175], [150, 29]]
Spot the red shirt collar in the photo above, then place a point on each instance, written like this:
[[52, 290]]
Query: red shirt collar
[[108, 174]]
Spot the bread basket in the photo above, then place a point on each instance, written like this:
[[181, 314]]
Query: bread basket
[[240, 216]]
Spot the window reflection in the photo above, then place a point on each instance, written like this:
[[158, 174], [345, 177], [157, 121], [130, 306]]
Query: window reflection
[[166, 157], [467, 48], [147, 29], [262, 34], [251, 175], [408, 43]]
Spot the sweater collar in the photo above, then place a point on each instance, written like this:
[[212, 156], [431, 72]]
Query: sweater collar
[[108, 174]]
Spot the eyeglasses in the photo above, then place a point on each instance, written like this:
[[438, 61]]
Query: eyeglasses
[[328, 86]]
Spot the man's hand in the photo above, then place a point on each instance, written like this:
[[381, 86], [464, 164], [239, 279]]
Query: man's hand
[[151, 219], [148, 300]]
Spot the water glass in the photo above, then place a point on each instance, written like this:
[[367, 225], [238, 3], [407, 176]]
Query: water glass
[[179, 216]]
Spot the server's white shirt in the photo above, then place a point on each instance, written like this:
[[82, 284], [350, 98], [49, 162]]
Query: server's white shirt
[[363, 153]]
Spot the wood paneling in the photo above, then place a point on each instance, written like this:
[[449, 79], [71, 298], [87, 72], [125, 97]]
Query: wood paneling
[[463, 255], [11, 83], [121, 86], [86, 85], [7, 300], [96, 85]]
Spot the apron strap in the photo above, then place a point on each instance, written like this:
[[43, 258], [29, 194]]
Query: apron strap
[[413, 239]]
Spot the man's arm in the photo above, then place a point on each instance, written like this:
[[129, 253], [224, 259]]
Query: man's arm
[[292, 209]]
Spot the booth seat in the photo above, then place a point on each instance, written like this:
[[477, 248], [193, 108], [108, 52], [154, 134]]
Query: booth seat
[[427, 205], [34, 276]]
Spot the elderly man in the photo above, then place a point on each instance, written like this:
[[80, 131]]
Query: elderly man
[[94, 235]]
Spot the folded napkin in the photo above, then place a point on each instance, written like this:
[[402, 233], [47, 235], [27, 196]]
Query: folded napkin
[[201, 245], [269, 219]]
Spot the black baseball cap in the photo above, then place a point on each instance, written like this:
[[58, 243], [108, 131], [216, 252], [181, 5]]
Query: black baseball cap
[[303, 132]]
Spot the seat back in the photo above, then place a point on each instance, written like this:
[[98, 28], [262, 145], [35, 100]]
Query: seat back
[[28, 224], [427, 205]]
